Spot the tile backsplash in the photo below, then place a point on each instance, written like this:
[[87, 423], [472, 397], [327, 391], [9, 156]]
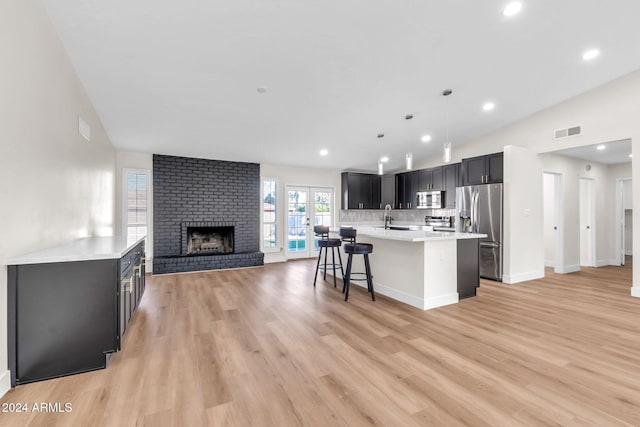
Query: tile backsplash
[[365, 216]]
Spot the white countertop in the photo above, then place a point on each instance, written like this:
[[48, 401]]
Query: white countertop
[[87, 249], [379, 232]]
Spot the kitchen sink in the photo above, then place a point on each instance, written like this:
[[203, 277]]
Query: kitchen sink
[[409, 227]]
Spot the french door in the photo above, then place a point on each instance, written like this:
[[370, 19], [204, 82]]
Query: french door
[[306, 207]]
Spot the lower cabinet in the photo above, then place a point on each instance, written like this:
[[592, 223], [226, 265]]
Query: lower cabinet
[[66, 317], [131, 287], [468, 267]]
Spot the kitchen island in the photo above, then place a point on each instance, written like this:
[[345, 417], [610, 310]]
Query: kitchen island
[[425, 269]]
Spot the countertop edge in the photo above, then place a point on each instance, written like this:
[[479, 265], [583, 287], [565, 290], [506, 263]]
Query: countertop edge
[[371, 231], [77, 250]]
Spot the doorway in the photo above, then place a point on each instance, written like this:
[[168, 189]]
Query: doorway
[[624, 220], [553, 202], [306, 207], [587, 223]]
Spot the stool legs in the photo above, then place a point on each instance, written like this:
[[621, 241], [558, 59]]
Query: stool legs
[[326, 250], [345, 287], [341, 269], [369, 276], [333, 260], [317, 267]]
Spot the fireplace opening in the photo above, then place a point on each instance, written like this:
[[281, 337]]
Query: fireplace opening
[[209, 240]]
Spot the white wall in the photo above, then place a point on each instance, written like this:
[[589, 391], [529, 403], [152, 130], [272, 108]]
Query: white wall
[[523, 251], [54, 186], [128, 160], [286, 175]]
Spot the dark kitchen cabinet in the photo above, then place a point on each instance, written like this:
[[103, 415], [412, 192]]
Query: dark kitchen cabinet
[[407, 184], [361, 191], [400, 183], [388, 193], [483, 169], [468, 274], [131, 287], [431, 179], [67, 317], [452, 179]]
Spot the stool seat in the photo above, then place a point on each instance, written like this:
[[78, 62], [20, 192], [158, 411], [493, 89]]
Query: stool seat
[[358, 248], [329, 243]]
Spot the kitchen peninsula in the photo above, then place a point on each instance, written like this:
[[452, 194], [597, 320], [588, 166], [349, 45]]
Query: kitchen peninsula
[[425, 269]]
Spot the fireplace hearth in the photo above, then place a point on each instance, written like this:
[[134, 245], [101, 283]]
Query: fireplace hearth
[[210, 240]]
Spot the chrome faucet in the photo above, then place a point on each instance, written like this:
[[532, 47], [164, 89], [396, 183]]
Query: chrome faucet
[[387, 216]]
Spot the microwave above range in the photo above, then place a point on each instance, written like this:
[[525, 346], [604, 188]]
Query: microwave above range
[[429, 199]]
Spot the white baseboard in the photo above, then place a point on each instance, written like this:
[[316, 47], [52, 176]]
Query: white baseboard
[[568, 269], [270, 258], [549, 263], [440, 301], [5, 383], [605, 262], [628, 253], [522, 277], [422, 304], [635, 291]]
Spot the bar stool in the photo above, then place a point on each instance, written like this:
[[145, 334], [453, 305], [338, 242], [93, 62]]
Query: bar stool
[[351, 248], [325, 243]]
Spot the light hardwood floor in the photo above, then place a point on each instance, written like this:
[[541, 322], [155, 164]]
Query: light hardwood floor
[[263, 347]]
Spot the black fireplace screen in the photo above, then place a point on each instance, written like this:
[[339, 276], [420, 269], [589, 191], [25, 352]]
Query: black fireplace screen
[[209, 240]]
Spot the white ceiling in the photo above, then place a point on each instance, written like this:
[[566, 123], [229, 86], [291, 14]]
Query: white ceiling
[[613, 152], [180, 77]]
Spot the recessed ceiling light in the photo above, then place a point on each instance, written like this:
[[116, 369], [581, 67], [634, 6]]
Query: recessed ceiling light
[[630, 155], [590, 54], [425, 138], [324, 152], [262, 90], [601, 147], [488, 106], [384, 159], [512, 8]]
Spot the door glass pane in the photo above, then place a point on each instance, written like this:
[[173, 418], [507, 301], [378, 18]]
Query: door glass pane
[[322, 202], [297, 227]]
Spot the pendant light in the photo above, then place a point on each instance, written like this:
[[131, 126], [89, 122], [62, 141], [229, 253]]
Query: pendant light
[[446, 154], [409, 154], [446, 149]]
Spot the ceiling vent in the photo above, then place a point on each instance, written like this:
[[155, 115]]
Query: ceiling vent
[[566, 133]]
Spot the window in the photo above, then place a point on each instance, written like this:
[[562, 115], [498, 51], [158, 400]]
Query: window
[[135, 218], [269, 214]]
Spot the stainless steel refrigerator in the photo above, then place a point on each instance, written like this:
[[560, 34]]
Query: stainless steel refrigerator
[[479, 210]]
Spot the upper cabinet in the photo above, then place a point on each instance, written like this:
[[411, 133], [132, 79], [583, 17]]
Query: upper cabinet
[[407, 184], [431, 179], [388, 192], [361, 191], [482, 169], [452, 179]]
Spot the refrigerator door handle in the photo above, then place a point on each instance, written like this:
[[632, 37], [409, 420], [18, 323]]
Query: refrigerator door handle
[[489, 245], [474, 211]]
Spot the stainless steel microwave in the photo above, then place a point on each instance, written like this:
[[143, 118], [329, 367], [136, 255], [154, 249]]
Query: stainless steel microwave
[[429, 199]]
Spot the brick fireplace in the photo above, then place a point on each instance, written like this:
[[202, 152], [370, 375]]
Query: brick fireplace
[[205, 214]]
